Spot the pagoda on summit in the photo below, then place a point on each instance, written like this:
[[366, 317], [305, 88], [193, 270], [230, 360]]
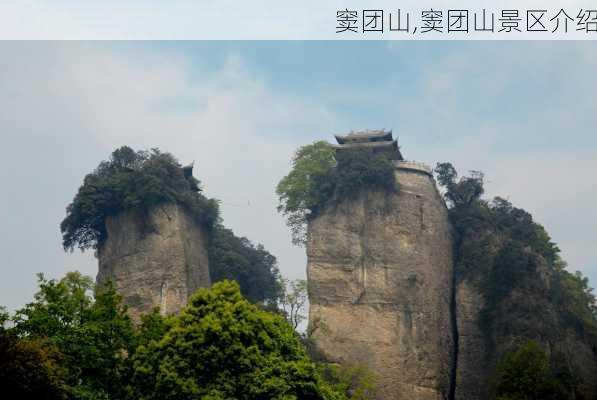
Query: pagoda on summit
[[379, 141]]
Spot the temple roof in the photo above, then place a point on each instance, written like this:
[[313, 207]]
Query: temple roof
[[392, 144], [377, 140], [364, 136]]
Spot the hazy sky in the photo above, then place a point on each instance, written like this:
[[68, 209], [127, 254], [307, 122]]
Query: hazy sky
[[523, 112]]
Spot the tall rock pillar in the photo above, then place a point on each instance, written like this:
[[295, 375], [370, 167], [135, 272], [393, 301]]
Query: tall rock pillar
[[156, 258], [380, 273]]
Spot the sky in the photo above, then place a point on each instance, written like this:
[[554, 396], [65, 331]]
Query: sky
[[258, 19], [522, 112]]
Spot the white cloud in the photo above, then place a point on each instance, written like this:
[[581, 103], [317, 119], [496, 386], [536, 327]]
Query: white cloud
[[75, 103]]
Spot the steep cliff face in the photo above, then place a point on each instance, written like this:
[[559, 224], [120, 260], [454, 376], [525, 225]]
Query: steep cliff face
[[156, 258], [527, 312], [380, 274]]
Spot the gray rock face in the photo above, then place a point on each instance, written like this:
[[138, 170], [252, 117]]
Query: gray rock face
[[156, 258], [380, 273]]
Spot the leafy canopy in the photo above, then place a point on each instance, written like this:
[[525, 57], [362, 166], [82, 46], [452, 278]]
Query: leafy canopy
[[220, 347], [130, 180], [75, 341], [499, 247], [253, 267], [90, 334], [525, 374], [29, 369], [320, 177]]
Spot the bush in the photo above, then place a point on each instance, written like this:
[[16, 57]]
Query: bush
[[321, 178], [130, 180]]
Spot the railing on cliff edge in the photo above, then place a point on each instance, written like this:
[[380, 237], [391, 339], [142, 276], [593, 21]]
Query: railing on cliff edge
[[414, 166]]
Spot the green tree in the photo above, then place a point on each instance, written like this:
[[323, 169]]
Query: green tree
[[254, 268], [220, 347], [29, 369], [131, 180], [92, 334], [320, 177], [459, 193], [300, 192], [294, 300], [152, 328], [525, 374], [356, 381], [572, 293], [360, 169]]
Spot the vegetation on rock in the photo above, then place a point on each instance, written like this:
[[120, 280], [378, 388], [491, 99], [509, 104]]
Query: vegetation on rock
[[357, 382], [142, 179], [525, 374], [320, 177], [501, 249], [253, 267], [131, 180]]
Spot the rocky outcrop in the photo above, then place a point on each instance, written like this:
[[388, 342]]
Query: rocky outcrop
[[380, 275], [156, 258], [487, 331]]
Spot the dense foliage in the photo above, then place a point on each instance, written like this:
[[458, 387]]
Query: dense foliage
[[525, 374], [222, 347], [90, 336], [484, 228], [29, 368], [356, 381], [253, 267], [75, 342], [500, 248], [130, 180], [140, 180], [320, 177]]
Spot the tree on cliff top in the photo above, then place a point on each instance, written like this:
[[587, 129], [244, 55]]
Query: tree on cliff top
[[320, 177], [130, 180]]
